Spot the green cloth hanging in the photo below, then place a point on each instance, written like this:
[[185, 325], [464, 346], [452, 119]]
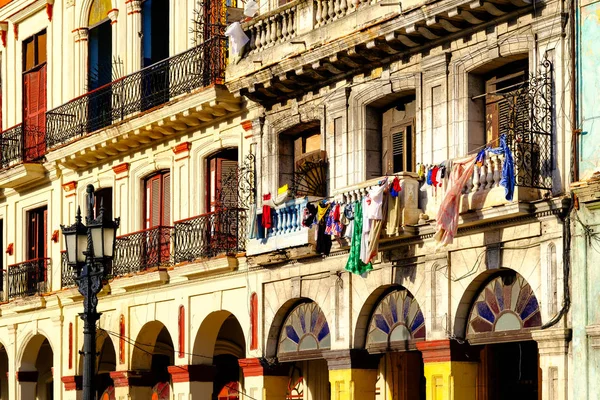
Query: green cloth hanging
[[355, 264]]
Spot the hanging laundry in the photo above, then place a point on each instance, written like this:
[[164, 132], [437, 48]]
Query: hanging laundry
[[366, 228], [438, 177], [508, 168], [237, 38], [354, 264], [267, 220], [375, 233], [421, 171], [322, 209], [347, 219], [394, 215], [428, 180], [375, 200], [434, 172], [447, 218], [323, 240], [308, 215], [395, 187], [251, 8]]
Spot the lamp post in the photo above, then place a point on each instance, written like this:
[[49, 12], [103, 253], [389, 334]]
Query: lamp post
[[90, 248]]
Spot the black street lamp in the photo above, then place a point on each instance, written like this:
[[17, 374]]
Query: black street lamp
[[90, 248]]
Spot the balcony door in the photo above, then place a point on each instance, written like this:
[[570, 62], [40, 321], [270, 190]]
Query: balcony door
[[37, 248], [34, 97], [155, 52], [99, 75], [158, 216], [222, 184]]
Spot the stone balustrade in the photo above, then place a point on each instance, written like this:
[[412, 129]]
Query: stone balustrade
[[287, 217], [272, 28]]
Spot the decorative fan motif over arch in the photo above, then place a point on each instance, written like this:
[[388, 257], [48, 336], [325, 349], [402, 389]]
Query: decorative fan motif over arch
[[507, 303], [397, 318], [305, 329]]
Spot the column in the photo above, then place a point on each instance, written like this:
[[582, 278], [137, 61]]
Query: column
[[192, 381], [263, 381], [73, 387], [81, 64], [27, 384], [553, 349], [352, 374], [134, 22], [131, 385], [450, 370], [113, 15]]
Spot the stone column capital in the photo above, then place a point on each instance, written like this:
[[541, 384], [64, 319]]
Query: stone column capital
[[351, 359], [73, 382], [552, 341], [446, 350], [113, 15], [260, 367], [192, 373], [133, 6]]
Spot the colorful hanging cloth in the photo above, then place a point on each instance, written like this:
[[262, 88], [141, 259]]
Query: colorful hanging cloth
[[267, 220], [447, 217], [508, 168], [354, 264]]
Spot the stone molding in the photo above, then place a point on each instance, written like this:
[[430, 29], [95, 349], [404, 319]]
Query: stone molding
[[593, 332], [260, 367], [554, 341], [351, 359], [446, 350], [72, 382]]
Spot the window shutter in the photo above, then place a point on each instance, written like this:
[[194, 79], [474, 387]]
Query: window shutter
[[155, 202], [42, 99], [166, 200], [228, 177], [398, 151]]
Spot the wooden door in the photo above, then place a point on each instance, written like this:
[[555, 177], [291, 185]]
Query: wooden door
[[158, 217], [34, 118]]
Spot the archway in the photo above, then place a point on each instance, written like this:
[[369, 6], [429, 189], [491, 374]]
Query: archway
[[396, 325], [303, 337], [34, 374], [153, 353], [3, 373], [221, 342], [501, 318], [106, 362]]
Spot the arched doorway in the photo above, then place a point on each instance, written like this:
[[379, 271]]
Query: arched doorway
[[396, 325], [221, 342], [106, 362], [34, 374], [153, 353], [501, 318], [303, 337], [3, 373]]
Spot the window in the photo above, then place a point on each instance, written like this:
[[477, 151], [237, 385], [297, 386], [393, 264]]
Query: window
[[37, 236], [99, 66], [155, 29], [158, 200], [34, 96], [103, 197], [222, 183]]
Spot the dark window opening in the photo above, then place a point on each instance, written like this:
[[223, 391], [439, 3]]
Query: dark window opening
[[37, 236], [100, 74], [103, 198], [155, 48], [34, 96], [222, 182]]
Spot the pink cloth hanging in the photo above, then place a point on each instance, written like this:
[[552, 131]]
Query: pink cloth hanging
[[447, 217]]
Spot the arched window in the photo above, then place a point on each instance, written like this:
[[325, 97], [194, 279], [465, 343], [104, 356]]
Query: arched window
[[253, 321]]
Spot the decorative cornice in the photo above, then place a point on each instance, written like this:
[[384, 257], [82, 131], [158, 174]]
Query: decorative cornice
[[73, 382], [247, 125], [593, 332], [121, 170], [69, 186], [553, 341], [133, 6], [182, 150], [192, 373]]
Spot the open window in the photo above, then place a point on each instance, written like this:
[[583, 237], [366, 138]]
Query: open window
[[155, 48], [390, 135], [490, 110], [103, 198], [34, 96], [222, 181], [302, 162], [37, 235], [99, 65]]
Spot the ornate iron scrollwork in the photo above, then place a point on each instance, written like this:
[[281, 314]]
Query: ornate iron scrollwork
[[310, 179], [529, 126]]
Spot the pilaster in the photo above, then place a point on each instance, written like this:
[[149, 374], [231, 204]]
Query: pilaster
[[352, 374], [553, 349], [263, 381], [192, 379], [450, 370]]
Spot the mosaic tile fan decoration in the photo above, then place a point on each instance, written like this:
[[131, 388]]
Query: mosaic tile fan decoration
[[397, 318], [305, 329], [505, 306]]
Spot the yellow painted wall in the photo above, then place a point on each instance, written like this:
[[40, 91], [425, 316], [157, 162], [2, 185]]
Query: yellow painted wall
[[451, 380]]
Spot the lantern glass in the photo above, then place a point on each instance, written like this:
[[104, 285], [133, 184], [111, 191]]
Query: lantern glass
[[71, 244], [109, 241], [98, 240], [81, 246]]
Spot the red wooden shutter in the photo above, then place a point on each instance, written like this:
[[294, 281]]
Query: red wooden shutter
[[45, 234], [181, 326], [253, 321], [166, 199]]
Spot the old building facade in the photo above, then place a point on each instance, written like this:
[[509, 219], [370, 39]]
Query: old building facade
[[191, 145]]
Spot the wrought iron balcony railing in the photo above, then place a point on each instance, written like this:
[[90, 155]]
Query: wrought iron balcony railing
[[141, 250], [152, 86], [210, 235], [28, 278], [67, 272], [21, 143]]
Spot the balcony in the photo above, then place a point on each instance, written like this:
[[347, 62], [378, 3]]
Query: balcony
[[287, 231], [142, 250], [22, 151], [190, 83], [28, 278], [308, 44]]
